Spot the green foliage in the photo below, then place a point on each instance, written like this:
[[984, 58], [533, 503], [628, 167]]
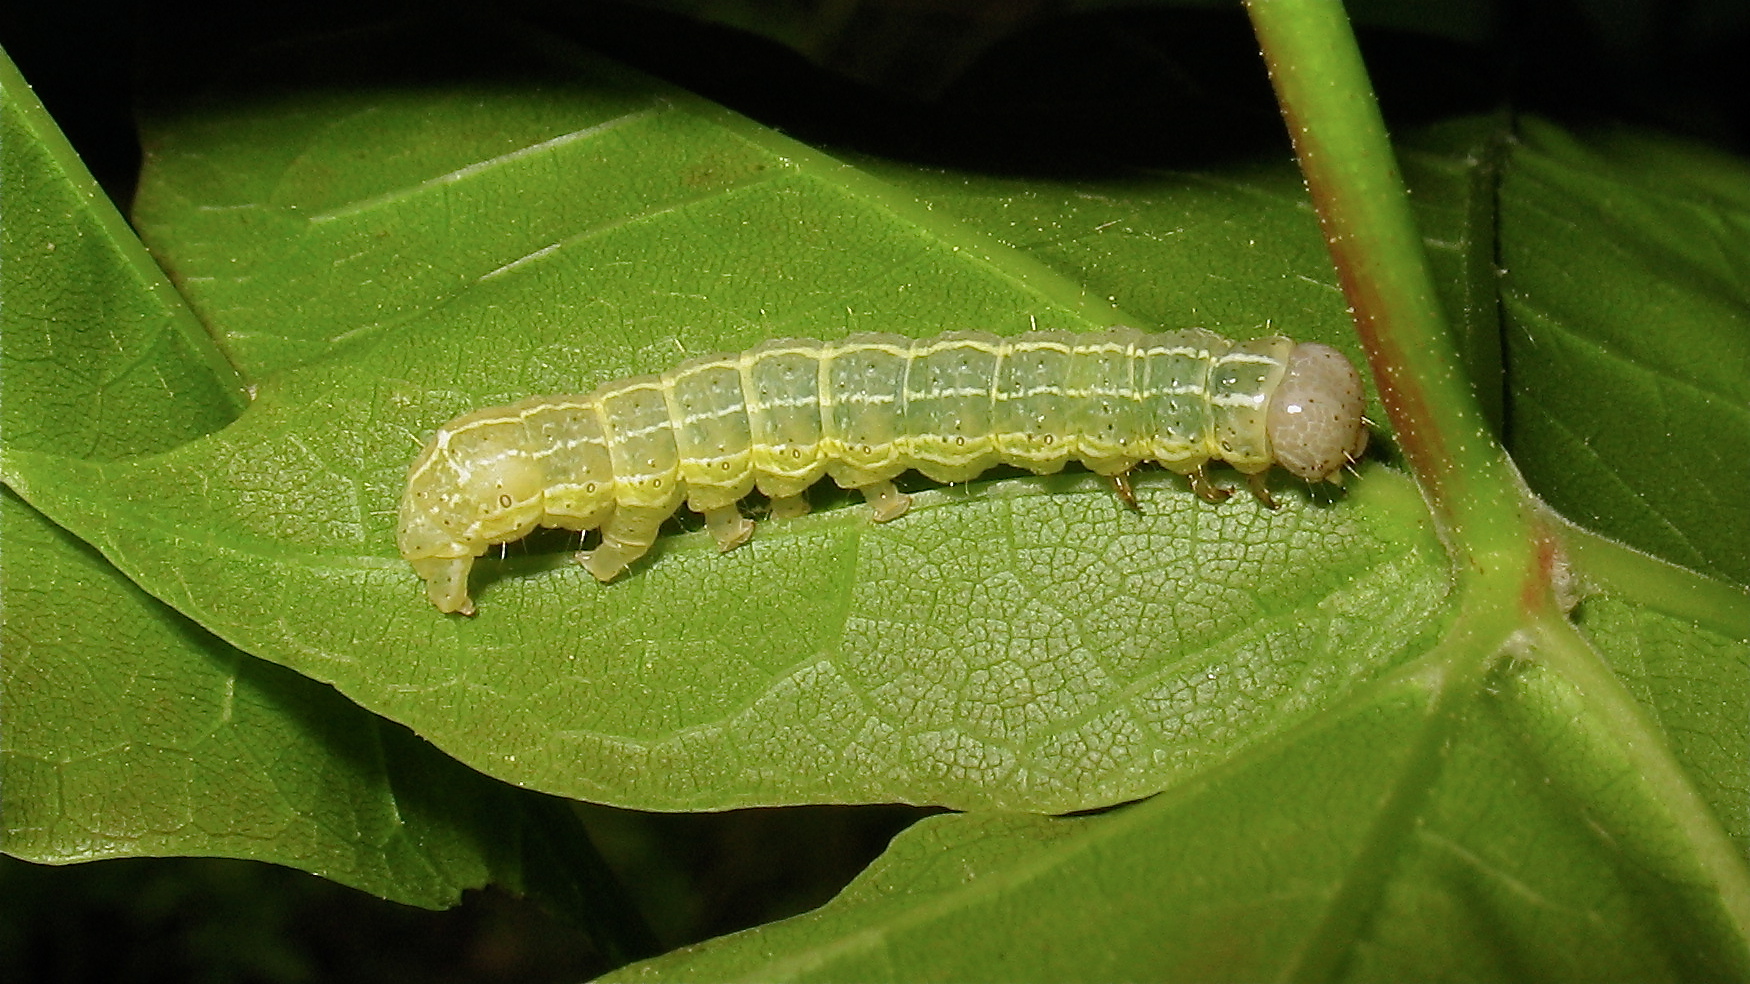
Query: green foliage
[[1623, 256], [1347, 766]]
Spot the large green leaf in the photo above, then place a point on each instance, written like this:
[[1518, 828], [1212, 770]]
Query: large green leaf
[[1625, 261], [1355, 777], [133, 731], [934, 660], [140, 734], [1410, 836]]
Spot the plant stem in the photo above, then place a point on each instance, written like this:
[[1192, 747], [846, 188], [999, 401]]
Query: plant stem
[[1352, 174]]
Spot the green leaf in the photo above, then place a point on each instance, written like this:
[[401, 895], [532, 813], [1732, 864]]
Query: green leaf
[[144, 735], [102, 358], [1368, 763], [1625, 258], [137, 732], [1418, 833], [934, 660]]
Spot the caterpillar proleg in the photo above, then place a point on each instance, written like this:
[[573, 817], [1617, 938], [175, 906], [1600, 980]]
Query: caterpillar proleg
[[861, 410]]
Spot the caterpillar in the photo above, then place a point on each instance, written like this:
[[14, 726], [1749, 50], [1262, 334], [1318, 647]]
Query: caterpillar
[[862, 410]]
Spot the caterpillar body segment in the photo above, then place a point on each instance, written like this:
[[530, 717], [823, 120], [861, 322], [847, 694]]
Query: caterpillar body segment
[[785, 414]]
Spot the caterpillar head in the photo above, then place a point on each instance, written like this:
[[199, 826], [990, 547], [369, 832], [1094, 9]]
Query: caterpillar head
[[1314, 423]]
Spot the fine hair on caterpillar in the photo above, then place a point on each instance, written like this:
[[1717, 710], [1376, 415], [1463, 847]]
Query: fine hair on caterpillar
[[861, 410]]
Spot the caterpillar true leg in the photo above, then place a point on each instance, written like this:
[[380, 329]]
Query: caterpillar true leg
[[1206, 490], [1121, 486], [1258, 483]]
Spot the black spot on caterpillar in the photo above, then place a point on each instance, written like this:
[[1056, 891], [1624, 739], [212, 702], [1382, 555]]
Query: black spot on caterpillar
[[862, 410]]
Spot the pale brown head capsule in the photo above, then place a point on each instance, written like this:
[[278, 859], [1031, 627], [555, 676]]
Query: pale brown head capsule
[[1315, 423]]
